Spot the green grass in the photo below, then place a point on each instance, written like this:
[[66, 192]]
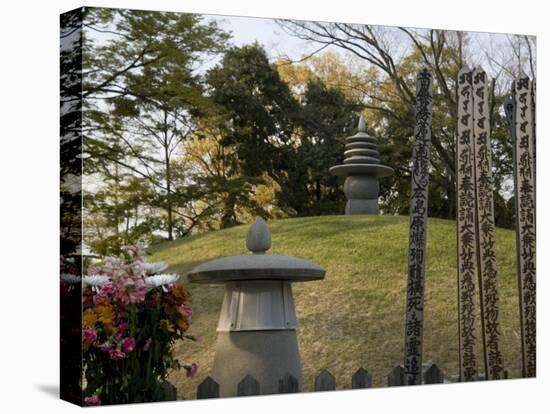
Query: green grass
[[355, 316]]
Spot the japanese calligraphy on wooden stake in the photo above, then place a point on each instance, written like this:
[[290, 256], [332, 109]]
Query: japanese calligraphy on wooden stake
[[533, 112], [466, 240], [486, 238], [524, 174], [417, 229]]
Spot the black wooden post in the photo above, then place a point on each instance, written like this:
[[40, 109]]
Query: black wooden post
[[208, 389], [466, 225], [325, 381], [417, 229], [288, 384], [524, 175], [396, 377], [486, 232], [361, 379], [248, 386], [434, 375]]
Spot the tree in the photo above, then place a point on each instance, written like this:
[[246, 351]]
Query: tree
[[324, 120], [148, 92], [115, 215], [273, 130], [118, 43], [70, 134], [259, 110], [219, 184]]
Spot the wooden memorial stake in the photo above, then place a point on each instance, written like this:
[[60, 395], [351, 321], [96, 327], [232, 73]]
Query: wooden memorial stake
[[534, 116], [486, 238], [524, 174], [466, 241], [417, 230]]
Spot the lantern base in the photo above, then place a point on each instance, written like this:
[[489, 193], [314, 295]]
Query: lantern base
[[267, 356], [362, 206]]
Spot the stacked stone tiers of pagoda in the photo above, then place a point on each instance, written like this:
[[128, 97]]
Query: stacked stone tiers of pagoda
[[362, 170]]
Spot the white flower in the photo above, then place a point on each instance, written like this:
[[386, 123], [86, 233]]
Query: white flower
[[160, 280], [70, 278], [154, 268], [95, 280]]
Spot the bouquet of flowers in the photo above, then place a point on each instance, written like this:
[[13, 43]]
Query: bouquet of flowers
[[131, 321]]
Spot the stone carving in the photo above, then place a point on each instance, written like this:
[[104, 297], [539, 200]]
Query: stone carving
[[417, 230], [466, 224], [524, 173], [362, 170], [257, 325], [486, 239]]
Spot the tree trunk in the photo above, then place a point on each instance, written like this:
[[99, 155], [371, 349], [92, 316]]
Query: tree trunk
[[168, 180], [318, 190], [229, 217]]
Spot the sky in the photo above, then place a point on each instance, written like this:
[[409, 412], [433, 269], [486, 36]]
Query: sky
[[267, 32], [278, 43]]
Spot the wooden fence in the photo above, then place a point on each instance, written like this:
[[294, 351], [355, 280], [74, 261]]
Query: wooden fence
[[325, 381]]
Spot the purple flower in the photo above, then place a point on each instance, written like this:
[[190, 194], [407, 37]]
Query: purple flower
[[122, 328], [128, 290], [92, 400], [90, 335], [128, 344], [115, 354], [191, 370], [106, 289]]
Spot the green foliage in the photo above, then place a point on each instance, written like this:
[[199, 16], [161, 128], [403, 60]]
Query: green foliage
[[325, 119], [113, 214], [271, 132], [145, 76], [259, 108]]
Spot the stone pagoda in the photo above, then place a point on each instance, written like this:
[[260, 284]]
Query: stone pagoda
[[362, 169], [257, 325]]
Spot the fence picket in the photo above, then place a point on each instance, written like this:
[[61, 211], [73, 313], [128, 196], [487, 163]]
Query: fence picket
[[396, 376], [169, 391], [208, 389], [248, 386], [288, 384], [325, 381], [361, 379], [434, 375]]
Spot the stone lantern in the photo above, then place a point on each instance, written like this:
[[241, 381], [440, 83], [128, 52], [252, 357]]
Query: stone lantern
[[362, 170], [257, 325]]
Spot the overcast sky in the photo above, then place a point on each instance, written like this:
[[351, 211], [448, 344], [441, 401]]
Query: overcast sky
[[277, 43]]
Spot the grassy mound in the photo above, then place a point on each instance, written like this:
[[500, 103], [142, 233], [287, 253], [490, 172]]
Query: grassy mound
[[355, 317]]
